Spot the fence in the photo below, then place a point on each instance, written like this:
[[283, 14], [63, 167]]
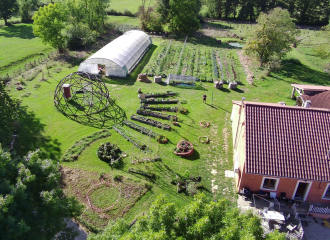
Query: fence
[[42, 59]]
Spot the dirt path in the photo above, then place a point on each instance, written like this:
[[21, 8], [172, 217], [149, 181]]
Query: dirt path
[[246, 62]]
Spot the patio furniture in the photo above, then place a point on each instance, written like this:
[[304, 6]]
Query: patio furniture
[[273, 215], [272, 195], [291, 227]]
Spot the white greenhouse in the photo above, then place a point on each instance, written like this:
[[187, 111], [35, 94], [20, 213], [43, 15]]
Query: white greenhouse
[[119, 57]]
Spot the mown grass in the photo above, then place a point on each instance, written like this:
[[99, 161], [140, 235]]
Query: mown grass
[[42, 126], [18, 47], [132, 6]]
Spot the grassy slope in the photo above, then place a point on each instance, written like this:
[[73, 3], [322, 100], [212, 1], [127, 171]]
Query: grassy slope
[[18, 47], [42, 126]]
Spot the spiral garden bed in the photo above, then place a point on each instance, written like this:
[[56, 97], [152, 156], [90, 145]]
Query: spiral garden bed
[[96, 187], [184, 148]]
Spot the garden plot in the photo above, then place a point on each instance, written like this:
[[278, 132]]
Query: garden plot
[[77, 182], [209, 64]]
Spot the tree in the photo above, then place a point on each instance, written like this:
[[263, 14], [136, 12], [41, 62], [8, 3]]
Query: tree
[[183, 16], [9, 114], [197, 220], [49, 23], [7, 9], [32, 202], [163, 8], [150, 20], [273, 35]]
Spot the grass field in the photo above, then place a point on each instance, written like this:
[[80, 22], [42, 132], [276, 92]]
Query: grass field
[[18, 47], [42, 126], [132, 6]]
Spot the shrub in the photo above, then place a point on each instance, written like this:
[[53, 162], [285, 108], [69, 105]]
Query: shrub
[[118, 178], [108, 152]]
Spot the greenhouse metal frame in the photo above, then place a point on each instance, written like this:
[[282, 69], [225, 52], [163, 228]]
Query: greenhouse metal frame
[[120, 56]]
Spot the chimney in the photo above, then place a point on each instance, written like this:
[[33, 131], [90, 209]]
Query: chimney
[[282, 103], [307, 103]]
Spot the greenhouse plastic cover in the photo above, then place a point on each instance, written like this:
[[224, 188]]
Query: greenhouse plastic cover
[[125, 50]]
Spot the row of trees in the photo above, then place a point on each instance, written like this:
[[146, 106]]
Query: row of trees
[[182, 16], [197, 220], [303, 11]]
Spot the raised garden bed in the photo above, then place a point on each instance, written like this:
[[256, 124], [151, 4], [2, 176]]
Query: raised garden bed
[[142, 160], [151, 122], [159, 101], [154, 95], [156, 114], [129, 137], [165, 109], [184, 148], [140, 129]]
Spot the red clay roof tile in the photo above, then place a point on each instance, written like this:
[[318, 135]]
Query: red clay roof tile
[[287, 141]]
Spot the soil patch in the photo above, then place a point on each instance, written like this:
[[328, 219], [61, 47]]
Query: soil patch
[[246, 62], [76, 182]]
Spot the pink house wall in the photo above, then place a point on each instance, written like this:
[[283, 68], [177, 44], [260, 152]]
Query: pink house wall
[[287, 185]]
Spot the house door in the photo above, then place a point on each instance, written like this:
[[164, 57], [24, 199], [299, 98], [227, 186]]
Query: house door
[[302, 190]]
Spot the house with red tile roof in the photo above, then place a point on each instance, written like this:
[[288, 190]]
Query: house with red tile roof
[[282, 149], [312, 96]]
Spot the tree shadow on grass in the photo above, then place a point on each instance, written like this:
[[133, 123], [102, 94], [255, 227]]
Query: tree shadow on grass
[[299, 73], [24, 31], [31, 136]]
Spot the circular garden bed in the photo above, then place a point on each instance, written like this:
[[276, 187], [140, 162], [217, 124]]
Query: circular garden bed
[[103, 196], [184, 148], [204, 124]]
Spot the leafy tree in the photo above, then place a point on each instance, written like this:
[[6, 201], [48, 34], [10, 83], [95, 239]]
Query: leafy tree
[[198, 220], [9, 114], [32, 202], [7, 9], [163, 8], [183, 16], [272, 36], [49, 23], [150, 20]]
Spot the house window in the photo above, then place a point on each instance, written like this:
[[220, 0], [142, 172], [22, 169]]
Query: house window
[[326, 194], [269, 183]]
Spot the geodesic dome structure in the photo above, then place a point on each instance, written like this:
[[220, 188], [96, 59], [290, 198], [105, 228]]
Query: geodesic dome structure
[[120, 56], [81, 94]]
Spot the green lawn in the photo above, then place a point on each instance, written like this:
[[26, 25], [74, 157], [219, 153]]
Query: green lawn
[[18, 47], [42, 126], [132, 6]]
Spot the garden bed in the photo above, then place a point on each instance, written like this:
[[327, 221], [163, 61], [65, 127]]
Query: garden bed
[[184, 148], [159, 101], [156, 114], [152, 95], [165, 109], [129, 137], [140, 129], [141, 172], [151, 122]]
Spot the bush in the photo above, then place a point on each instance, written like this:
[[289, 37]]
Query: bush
[[108, 152], [148, 185], [118, 178]]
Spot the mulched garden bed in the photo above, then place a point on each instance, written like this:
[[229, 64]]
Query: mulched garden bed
[[151, 122]]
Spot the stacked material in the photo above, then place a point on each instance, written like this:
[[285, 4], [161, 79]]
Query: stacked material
[[158, 79], [142, 77]]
